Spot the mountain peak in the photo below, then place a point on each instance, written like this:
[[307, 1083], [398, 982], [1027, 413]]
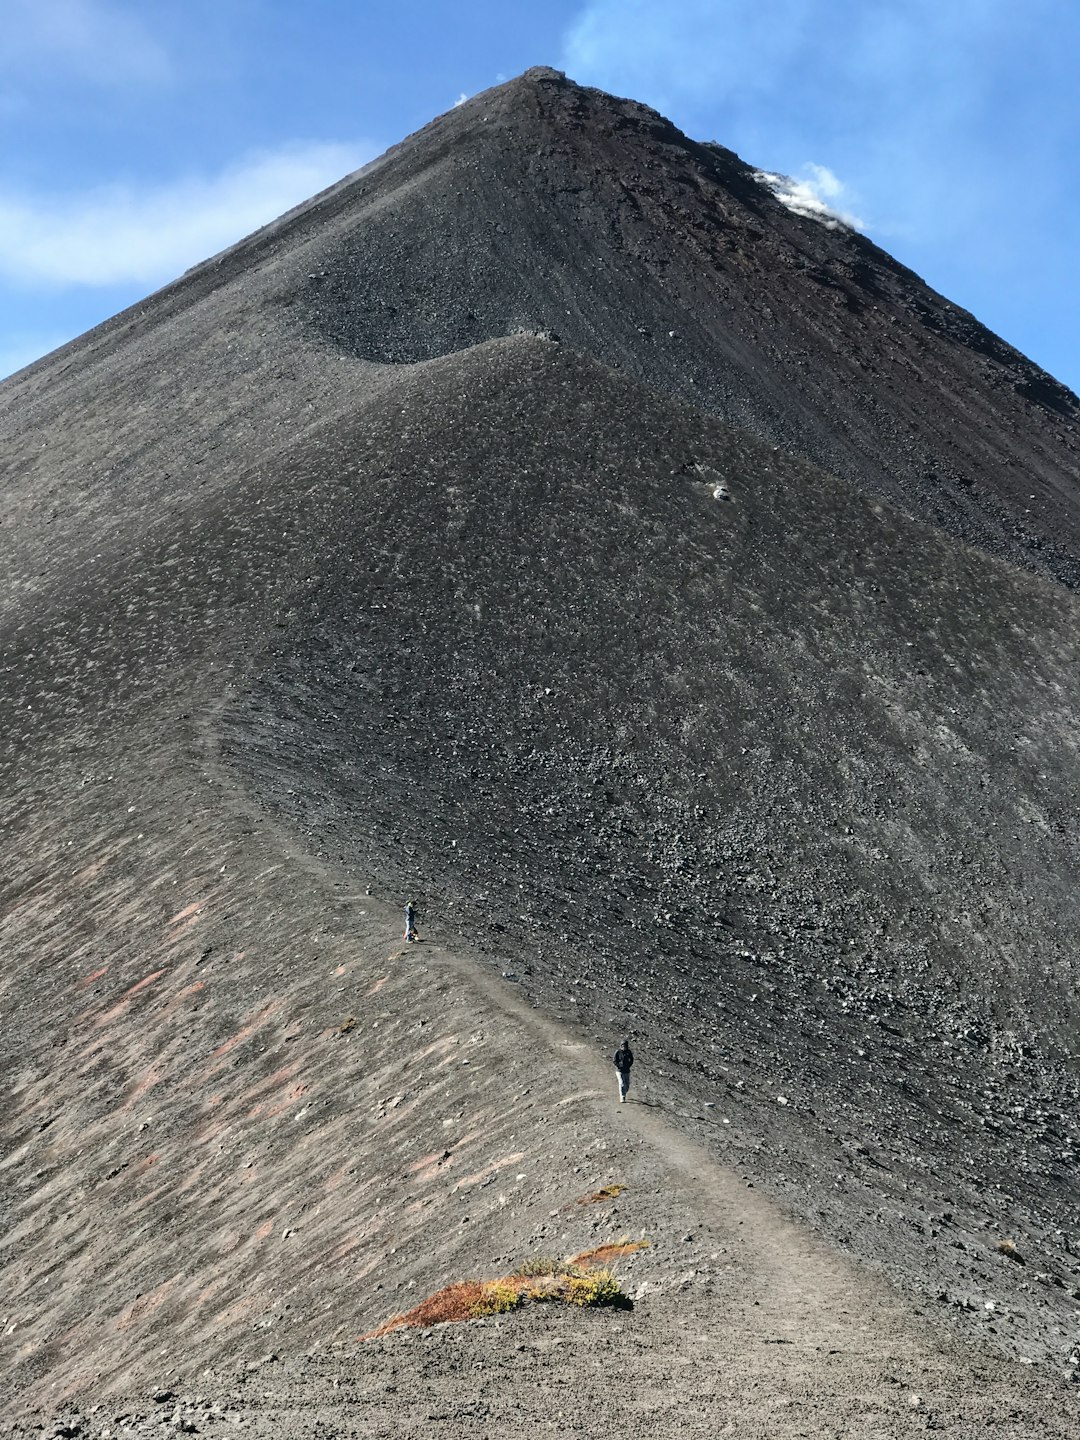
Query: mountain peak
[[544, 73], [543, 205]]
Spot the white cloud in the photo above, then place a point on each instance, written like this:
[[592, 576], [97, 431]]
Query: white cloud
[[122, 234], [102, 41], [460, 99], [816, 196]]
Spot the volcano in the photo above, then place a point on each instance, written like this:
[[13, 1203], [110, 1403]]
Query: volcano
[[674, 597]]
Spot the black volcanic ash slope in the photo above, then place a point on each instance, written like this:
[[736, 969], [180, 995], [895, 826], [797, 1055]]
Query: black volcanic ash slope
[[542, 206], [546, 206], [695, 735], [707, 744]]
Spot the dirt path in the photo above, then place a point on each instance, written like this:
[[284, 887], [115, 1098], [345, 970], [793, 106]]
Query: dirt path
[[450, 1134], [798, 1278], [744, 1322]]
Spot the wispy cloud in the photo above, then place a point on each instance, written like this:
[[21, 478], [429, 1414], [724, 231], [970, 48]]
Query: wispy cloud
[[146, 235], [101, 41], [817, 195], [922, 105]]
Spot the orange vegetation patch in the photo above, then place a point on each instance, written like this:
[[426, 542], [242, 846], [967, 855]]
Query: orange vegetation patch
[[456, 1302], [606, 1192], [605, 1254], [541, 1280]]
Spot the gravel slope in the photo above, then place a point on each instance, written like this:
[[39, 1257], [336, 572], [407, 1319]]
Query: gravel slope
[[321, 590]]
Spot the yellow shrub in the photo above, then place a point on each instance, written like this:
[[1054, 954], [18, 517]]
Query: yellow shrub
[[596, 1287], [496, 1298]]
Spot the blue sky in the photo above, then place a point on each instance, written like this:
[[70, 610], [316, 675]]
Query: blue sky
[[139, 136]]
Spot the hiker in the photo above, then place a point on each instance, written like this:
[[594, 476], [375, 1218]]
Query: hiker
[[624, 1058], [410, 922]]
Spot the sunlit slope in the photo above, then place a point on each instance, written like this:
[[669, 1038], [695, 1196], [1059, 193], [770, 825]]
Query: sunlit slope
[[314, 585], [719, 750], [704, 742]]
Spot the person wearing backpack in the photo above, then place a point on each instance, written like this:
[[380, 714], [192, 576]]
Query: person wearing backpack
[[624, 1058]]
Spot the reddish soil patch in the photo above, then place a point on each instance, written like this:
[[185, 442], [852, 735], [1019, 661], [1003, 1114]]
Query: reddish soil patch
[[603, 1255]]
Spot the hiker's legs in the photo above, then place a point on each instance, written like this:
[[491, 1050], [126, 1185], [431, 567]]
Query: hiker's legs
[[624, 1084]]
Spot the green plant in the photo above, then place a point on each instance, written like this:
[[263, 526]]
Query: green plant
[[539, 1265], [496, 1298], [595, 1287]]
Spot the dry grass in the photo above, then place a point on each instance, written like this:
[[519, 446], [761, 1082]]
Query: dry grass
[[605, 1254], [606, 1192], [455, 1302], [1008, 1248], [586, 1280]]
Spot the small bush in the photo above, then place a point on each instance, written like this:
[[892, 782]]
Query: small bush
[[594, 1287], [497, 1297], [574, 1282], [539, 1265], [455, 1302], [604, 1254], [1008, 1248]]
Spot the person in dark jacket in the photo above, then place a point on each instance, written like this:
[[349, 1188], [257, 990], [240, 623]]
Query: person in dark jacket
[[410, 922], [624, 1058]]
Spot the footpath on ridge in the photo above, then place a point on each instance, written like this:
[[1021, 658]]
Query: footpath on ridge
[[336, 1125]]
